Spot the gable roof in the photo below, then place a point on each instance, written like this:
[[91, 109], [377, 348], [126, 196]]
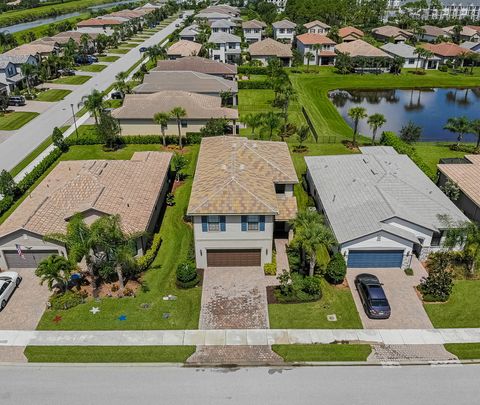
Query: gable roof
[[360, 48], [389, 31], [270, 47], [284, 24], [191, 30], [184, 48], [31, 49], [312, 39], [315, 23], [196, 64], [223, 38], [470, 45], [100, 22], [222, 24], [253, 24], [445, 49], [404, 50], [467, 31], [359, 193], [17, 59], [347, 31], [227, 179], [433, 31]]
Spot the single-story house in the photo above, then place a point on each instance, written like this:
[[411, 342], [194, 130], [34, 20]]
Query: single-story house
[[99, 25], [317, 27], [190, 33], [136, 114], [471, 46], [349, 34], [412, 59], [235, 212], [62, 38], [369, 54], [194, 82], [467, 34], [269, 48], [133, 189], [39, 50], [465, 173], [228, 47], [183, 48], [213, 16], [381, 207], [322, 47], [389, 33], [431, 33], [445, 50], [253, 30], [222, 8], [284, 30], [197, 64]]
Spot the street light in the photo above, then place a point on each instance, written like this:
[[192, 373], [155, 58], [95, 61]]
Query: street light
[[74, 121]]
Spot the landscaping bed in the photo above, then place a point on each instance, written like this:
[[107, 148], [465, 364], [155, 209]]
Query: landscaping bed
[[323, 352], [12, 121], [52, 95]]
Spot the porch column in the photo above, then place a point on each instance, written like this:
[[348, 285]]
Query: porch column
[[234, 127]]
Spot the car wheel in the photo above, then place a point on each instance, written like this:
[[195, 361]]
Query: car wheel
[[3, 304], [19, 280]]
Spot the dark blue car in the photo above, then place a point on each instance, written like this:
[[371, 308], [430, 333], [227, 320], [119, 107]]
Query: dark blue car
[[373, 297], [143, 49]]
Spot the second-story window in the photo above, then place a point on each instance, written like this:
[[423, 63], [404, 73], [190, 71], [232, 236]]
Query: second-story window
[[214, 223]]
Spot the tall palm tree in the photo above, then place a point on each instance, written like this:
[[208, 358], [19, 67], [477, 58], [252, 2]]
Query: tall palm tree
[[271, 121], [376, 121], [178, 113], [55, 270], [459, 126], [356, 114], [93, 103], [475, 129], [28, 70], [253, 121], [286, 95], [162, 118], [316, 48], [309, 56]]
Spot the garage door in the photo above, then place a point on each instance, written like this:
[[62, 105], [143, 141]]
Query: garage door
[[234, 258], [375, 258], [31, 260]]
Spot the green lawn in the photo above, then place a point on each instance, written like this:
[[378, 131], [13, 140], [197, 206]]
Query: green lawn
[[108, 354], [53, 95], [177, 237], [127, 45], [119, 50], [462, 309], [313, 315], [77, 79], [15, 120], [432, 152], [331, 352], [465, 351], [110, 58], [91, 68]]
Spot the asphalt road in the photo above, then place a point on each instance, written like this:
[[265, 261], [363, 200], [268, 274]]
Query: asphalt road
[[27, 138], [63, 384]]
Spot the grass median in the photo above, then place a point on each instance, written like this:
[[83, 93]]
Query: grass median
[[323, 352]]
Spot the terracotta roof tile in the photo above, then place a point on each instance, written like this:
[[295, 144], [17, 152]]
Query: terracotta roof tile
[[311, 39]]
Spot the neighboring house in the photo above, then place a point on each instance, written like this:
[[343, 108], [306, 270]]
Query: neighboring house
[[284, 30], [39, 50], [445, 51], [197, 64], [465, 173], [471, 46], [317, 27], [190, 33], [210, 17], [183, 48], [381, 207], [432, 33], [194, 82], [467, 34], [242, 194], [268, 49], [63, 38], [362, 49], [136, 114], [448, 10], [133, 189], [349, 34], [322, 48], [225, 26], [253, 30], [99, 25], [223, 9], [227, 47], [3, 87], [11, 70], [389, 33], [412, 59]]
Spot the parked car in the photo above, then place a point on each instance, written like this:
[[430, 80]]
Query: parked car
[[16, 100], [373, 297], [177, 25], [117, 95], [9, 281], [66, 72], [93, 58], [143, 49]]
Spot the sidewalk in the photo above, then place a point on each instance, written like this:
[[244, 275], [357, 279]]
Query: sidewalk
[[238, 337]]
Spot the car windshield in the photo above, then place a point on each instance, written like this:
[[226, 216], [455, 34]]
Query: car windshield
[[379, 303]]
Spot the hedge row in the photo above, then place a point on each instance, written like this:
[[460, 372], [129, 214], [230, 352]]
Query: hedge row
[[254, 84], [92, 139], [145, 261], [390, 139], [253, 70]]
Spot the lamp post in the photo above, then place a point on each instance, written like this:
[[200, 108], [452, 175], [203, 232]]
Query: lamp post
[[74, 121]]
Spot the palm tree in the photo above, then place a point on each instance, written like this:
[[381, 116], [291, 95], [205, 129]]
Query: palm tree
[[286, 95], [271, 121], [475, 130], [178, 113], [56, 271], [253, 121], [162, 118], [309, 56], [93, 103], [316, 48], [459, 126], [28, 70], [356, 114], [376, 121], [419, 51]]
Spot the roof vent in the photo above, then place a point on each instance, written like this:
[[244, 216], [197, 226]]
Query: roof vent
[[254, 145], [242, 167], [234, 145], [224, 167], [373, 172]]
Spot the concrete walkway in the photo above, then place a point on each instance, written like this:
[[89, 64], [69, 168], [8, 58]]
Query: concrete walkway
[[238, 337]]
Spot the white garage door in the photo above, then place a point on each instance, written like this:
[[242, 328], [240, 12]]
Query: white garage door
[[29, 261]]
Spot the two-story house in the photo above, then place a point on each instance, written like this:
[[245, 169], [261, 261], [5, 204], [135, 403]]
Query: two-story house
[[320, 48], [317, 27], [190, 33], [225, 26], [242, 196], [284, 30], [253, 30], [10, 70], [227, 47]]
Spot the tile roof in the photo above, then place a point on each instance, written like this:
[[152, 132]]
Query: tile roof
[[445, 49], [129, 188], [197, 106], [31, 49], [194, 82], [16, 59], [389, 31], [284, 24], [466, 31], [196, 64], [403, 50], [4, 62], [465, 175], [311, 39], [360, 48], [253, 24], [270, 47], [433, 31], [184, 48], [213, 15], [99, 22], [470, 45], [235, 175], [474, 27], [222, 24], [223, 38], [347, 31], [360, 192], [191, 30], [316, 23]]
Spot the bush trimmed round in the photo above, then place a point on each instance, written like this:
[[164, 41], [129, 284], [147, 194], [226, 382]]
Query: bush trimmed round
[[336, 269]]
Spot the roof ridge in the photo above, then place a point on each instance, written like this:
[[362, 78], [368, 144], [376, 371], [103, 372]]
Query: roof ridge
[[254, 196], [207, 199]]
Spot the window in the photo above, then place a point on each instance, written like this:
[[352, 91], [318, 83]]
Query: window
[[436, 238], [280, 188], [252, 222], [184, 123], [214, 223], [411, 61]]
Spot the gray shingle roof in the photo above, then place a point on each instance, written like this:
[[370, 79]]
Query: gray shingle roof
[[284, 24], [223, 37], [360, 192], [403, 50]]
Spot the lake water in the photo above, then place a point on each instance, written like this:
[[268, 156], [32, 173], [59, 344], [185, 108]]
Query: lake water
[[428, 108]]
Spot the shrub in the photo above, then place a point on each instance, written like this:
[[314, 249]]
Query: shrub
[[336, 269], [252, 70], [437, 286], [312, 285], [66, 301], [408, 271], [147, 259], [187, 276], [296, 288], [443, 68], [254, 84], [270, 269]]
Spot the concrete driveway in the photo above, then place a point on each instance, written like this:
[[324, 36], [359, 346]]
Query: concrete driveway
[[33, 106]]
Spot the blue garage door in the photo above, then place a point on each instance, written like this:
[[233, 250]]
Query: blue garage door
[[375, 258]]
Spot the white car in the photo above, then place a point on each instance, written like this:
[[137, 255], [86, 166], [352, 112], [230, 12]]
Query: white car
[[9, 281]]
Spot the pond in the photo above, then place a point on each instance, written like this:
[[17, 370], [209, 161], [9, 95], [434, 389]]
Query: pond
[[428, 108]]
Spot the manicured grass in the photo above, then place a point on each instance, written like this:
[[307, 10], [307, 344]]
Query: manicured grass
[[77, 79], [177, 237], [465, 351], [327, 352], [53, 95], [127, 45], [313, 315], [432, 152], [108, 354], [462, 309], [113, 103], [15, 120], [92, 68], [119, 50], [110, 58]]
